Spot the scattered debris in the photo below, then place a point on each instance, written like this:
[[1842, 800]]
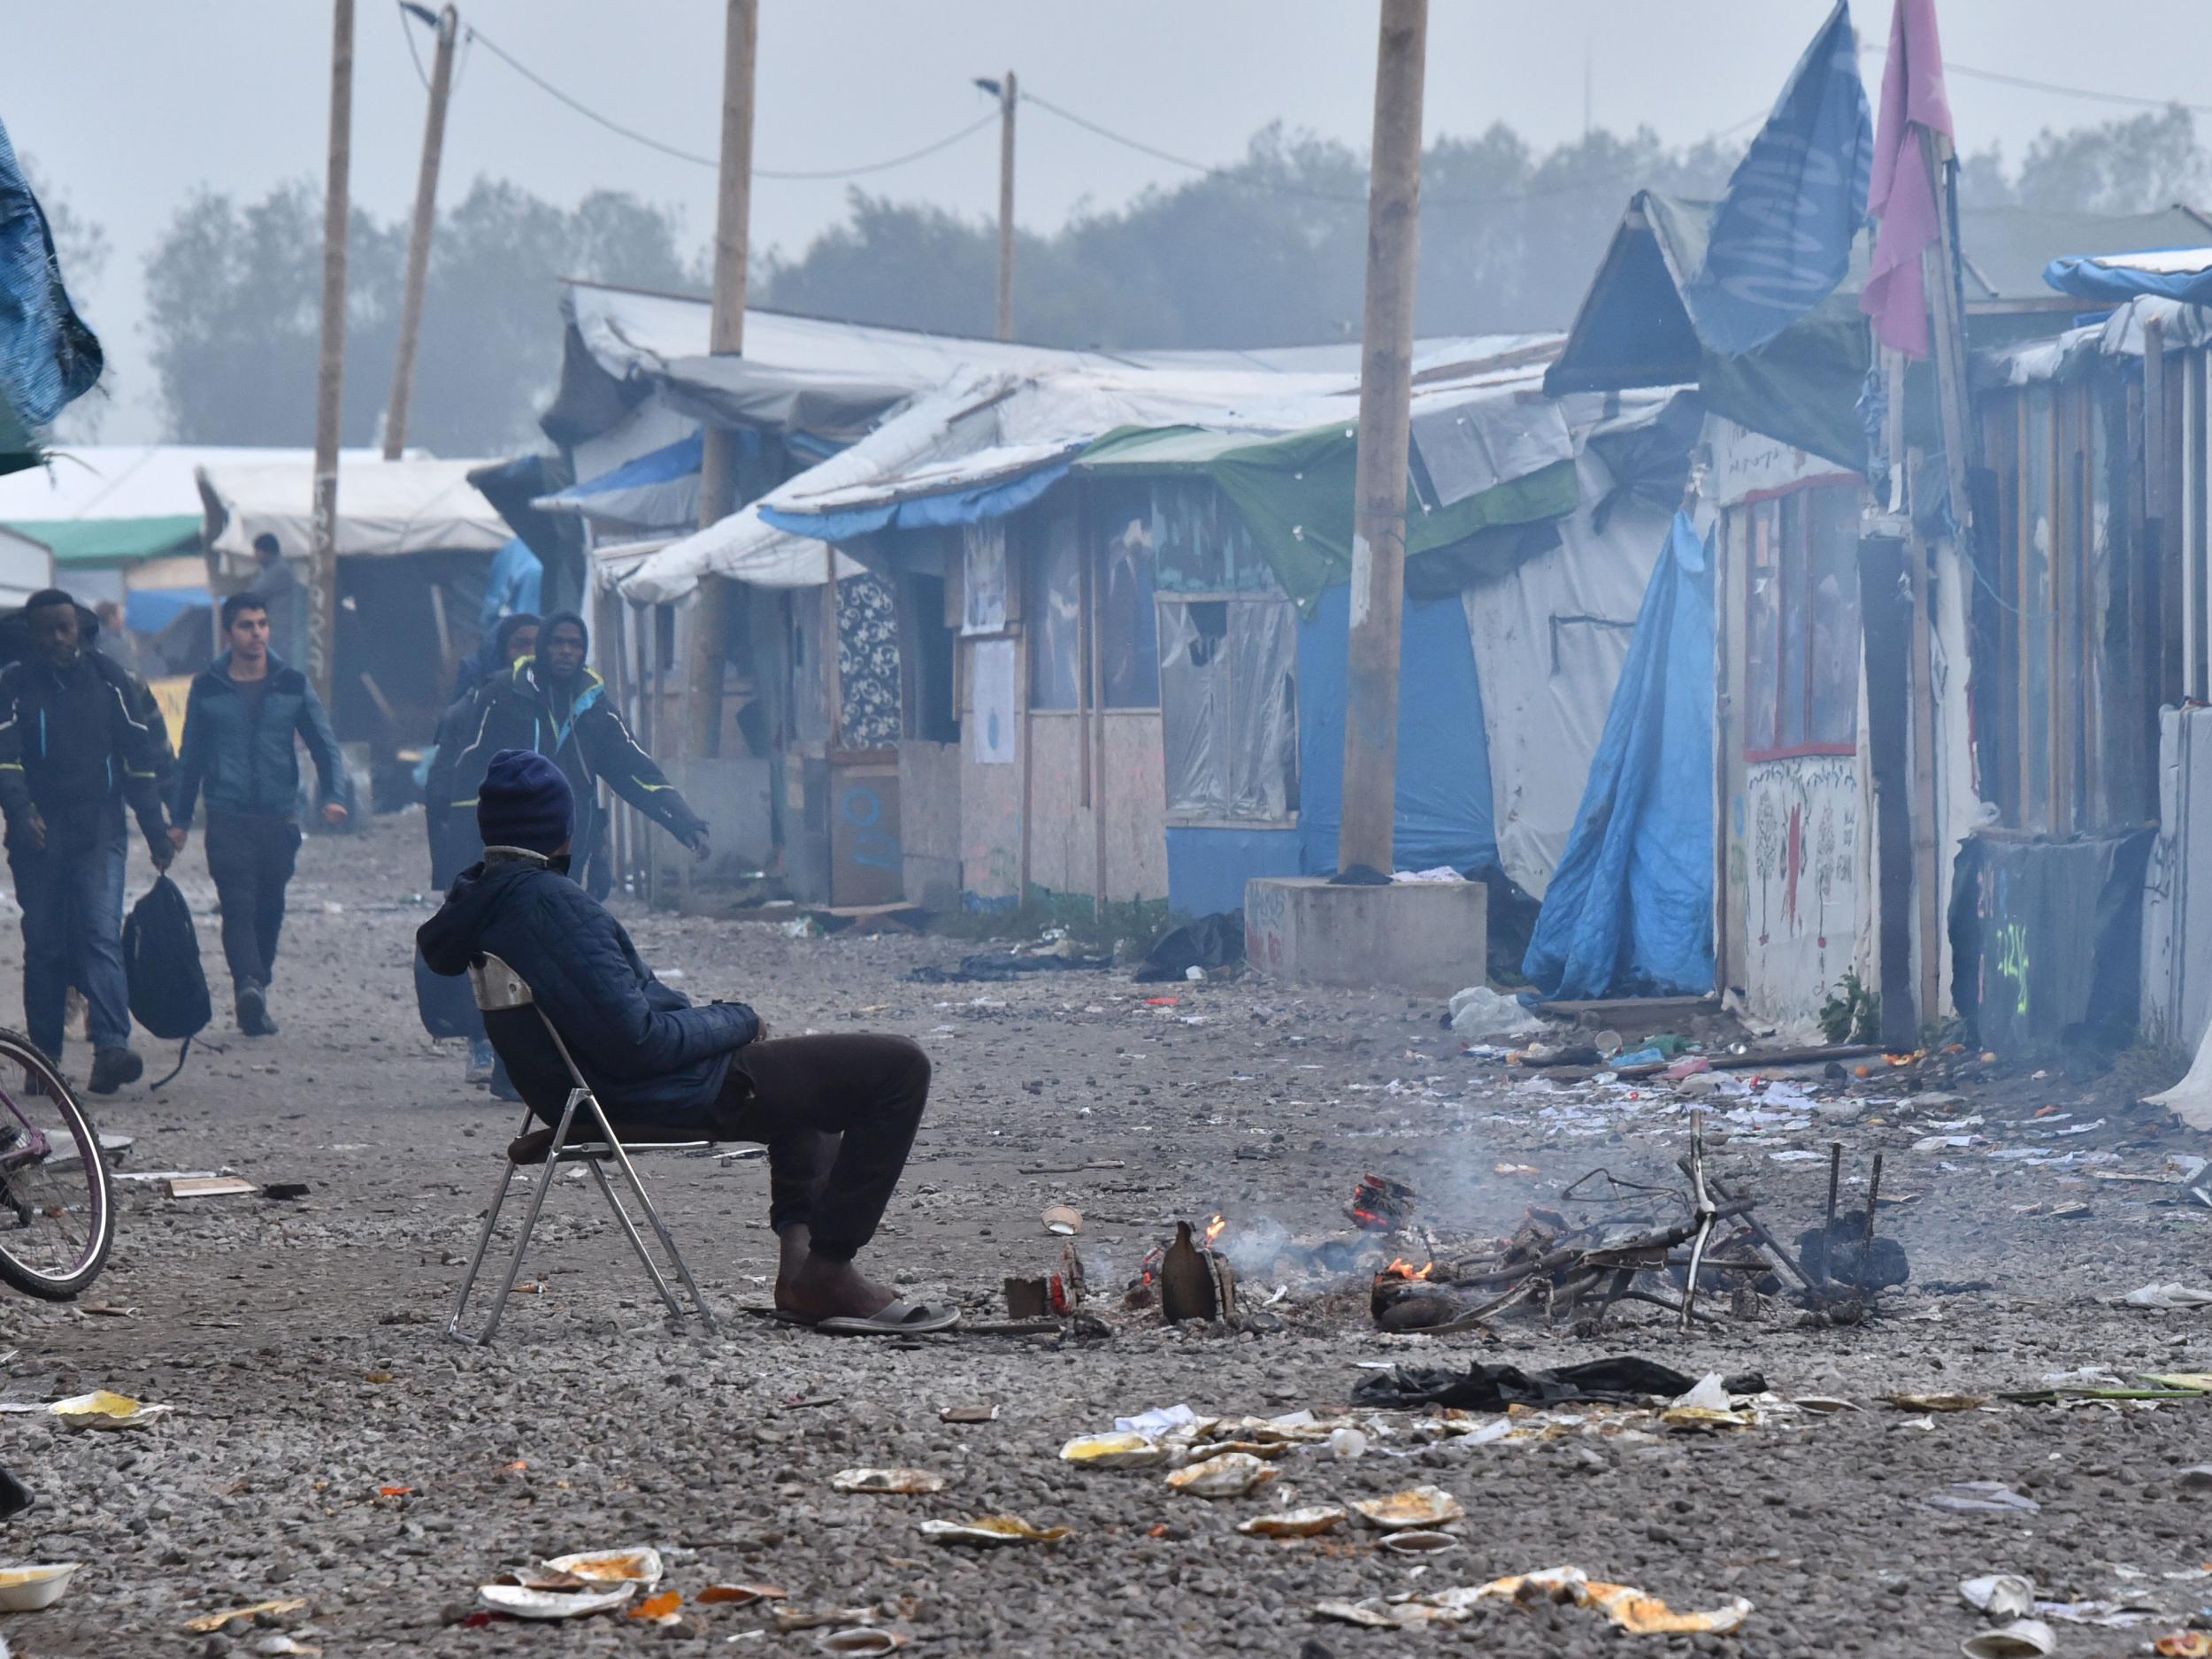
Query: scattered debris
[[1227, 1475], [518, 1600], [1424, 1506], [638, 1566], [968, 1411], [737, 1594], [901, 1482], [1628, 1608], [104, 1409], [1981, 1497], [2167, 1296], [2005, 1595], [208, 1624], [27, 1589], [207, 1187], [1305, 1522], [2023, 1639]]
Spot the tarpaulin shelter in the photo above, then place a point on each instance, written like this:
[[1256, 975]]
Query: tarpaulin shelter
[[415, 541], [1630, 911]]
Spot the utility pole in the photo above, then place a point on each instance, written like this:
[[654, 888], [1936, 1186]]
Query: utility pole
[[322, 611], [1006, 208], [718, 466], [1386, 393], [448, 24]]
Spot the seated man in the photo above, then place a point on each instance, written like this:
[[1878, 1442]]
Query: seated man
[[837, 1113]]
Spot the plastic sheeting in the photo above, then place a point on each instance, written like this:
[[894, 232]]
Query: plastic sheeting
[[658, 491], [2177, 273], [384, 508], [988, 486], [2046, 939], [48, 356], [1551, 636], [2176, 950], [1229, 708], [1630, 911]]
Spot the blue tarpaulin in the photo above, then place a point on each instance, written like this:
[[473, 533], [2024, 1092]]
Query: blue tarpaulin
[[920, 512], [1629, 912], [151, 609], [1782, 239], [2185, 274], [47, 355], [1444, 814]]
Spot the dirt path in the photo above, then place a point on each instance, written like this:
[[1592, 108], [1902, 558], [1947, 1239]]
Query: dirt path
[[302, 1343]]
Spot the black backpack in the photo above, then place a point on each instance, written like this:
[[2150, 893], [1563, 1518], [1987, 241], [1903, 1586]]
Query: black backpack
[[161, 962]]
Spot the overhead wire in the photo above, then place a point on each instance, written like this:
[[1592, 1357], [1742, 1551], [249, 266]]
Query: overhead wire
[[862, 169]]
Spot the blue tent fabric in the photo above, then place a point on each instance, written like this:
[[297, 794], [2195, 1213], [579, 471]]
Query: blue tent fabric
[[148, 610], [47, 355], [1782, 239], [921, 512], [515, 582], [2086, 277], [1630, 911], [1444, 814]]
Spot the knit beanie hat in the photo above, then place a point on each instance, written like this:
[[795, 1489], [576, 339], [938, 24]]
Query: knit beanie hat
[[525, 802]]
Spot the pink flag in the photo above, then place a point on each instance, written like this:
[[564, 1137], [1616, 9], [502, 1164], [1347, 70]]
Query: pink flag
[[1901, 193]]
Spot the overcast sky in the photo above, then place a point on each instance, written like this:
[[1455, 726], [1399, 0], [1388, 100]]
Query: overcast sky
[[128, 105]]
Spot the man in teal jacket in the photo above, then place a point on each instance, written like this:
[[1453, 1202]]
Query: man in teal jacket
[[240, 720]]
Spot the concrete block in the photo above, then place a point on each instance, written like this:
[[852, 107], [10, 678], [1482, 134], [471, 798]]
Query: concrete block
[[1431, 937]]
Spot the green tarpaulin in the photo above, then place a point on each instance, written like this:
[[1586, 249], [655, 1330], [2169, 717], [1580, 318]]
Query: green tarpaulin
[[110, 541], [1295, 493]]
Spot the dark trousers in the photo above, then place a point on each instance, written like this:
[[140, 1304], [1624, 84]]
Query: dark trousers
[[72, 895], [251, 858], [837, 1115]]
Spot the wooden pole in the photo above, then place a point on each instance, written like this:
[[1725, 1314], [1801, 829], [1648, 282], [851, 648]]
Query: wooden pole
[[418, 240], [718, 466], [322, 611], [1385, 390], [1006, 207]]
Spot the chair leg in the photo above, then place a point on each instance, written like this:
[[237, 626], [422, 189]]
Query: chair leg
[[637, 1243], [530, 1219], [476, 1262], [660, 1228]]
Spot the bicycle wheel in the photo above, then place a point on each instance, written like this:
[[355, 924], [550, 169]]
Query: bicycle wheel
[[56, 1207]]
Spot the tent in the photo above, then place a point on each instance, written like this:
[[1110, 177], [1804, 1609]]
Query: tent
[[384, 507]]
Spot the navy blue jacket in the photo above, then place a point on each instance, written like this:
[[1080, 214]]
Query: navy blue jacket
[[251, 765], [647, 1053]]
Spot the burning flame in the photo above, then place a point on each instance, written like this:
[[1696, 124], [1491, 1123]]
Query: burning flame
[[1402, 1268], [1214, 1230]]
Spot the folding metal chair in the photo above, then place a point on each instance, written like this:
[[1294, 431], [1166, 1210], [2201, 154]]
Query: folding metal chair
[[500, 990]]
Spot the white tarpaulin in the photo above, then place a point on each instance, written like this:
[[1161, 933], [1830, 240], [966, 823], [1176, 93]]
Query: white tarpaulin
[[1550, 636], [384, 508]]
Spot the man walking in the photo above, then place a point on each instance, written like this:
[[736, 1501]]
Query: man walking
[[281, 595], [240, 719], [553, 703], [80, 739]]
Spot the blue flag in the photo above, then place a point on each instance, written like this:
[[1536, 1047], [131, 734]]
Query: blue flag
[[1782, 239]]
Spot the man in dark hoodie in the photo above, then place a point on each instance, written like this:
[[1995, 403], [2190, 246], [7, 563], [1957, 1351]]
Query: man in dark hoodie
[[554, 704], [80, 739], [241, 717], [837, 1113]]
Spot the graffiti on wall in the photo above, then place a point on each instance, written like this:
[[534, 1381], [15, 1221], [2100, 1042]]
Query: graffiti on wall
[[1266, 917], [1793, 866]]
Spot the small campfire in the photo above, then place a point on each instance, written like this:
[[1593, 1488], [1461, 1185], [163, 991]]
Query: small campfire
[[1381, 1204]]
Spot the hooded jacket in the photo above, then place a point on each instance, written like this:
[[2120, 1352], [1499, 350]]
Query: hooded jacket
[[78, 745], [647, 1053], [248, 764], [588, 740]]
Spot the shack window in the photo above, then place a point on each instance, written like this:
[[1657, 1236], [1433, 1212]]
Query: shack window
[[1128, 625], [1055, 615], [1229, 710], [1801, 620]]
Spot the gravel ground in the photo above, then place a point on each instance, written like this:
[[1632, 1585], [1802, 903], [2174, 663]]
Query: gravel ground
[[302, 1343]]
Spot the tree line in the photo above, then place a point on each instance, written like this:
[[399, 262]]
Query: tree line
[[1267, 252]]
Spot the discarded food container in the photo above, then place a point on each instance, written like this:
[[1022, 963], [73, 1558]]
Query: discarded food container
[[991, 1531], [1306, 1523], [1419, 1541], [861, 1638], [27, 1589], [1113, 1451], [737, 1594], [901, 1482], [1229, 1475], [103, 1410], [2000, 1595], [638, 1566], [1414, 1507], [1063, 1220], [2023, 1639], [521, 1602]]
